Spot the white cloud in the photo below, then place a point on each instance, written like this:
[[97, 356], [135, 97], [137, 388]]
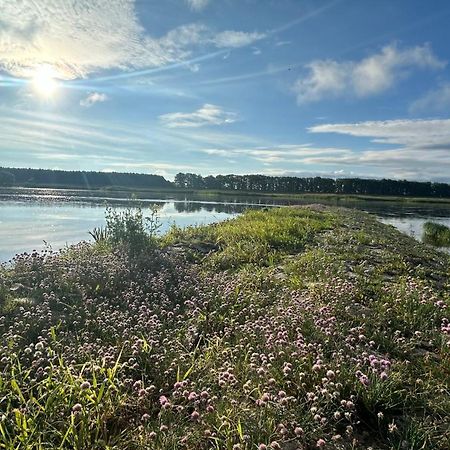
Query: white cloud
[[421, 148], [198, 5], [74, 36], [437, 100], [80, 37], [92, 98], [206, 115], [287, 153], [325, 78], [235, 39], [369, 76], [420, 134]]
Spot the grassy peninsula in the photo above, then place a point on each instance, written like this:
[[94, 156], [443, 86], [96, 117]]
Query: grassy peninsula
[[292, 328]]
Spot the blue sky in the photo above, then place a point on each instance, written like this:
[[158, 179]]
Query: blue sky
[[316, 87]]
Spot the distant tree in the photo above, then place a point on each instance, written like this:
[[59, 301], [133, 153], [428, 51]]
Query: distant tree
[[263, 183], [6, 178], [82, 179]]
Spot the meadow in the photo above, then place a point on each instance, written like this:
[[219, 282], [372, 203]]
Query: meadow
[[289, 328]]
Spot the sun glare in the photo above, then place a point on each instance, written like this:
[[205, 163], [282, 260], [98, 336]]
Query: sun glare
[[44, 81]]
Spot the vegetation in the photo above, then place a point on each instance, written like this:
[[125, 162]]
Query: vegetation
[[291, 328], [261, 184], [316, 185], [78, 179], [128, 230], [436, 234]]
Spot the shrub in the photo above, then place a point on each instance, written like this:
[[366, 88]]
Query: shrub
[[129, 230]]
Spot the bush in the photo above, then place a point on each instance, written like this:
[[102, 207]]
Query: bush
[[129, 230]]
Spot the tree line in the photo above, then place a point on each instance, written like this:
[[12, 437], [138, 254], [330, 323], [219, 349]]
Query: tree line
[[245, 183], [79, 179], [313, 185]]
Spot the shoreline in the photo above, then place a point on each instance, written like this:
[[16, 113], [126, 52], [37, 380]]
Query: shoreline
[[207, 194]]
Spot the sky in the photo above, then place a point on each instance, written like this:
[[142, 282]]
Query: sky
[[336, 88]]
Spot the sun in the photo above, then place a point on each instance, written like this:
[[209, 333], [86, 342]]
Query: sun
[[44, 81]]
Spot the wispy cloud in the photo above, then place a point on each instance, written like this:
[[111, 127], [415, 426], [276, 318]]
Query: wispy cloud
[[235, 39], [81, 37], [436, 100], [420, 134], [369, 76], [286, 153], [198, 5], [420, 148], [206, 115], [93, 98]]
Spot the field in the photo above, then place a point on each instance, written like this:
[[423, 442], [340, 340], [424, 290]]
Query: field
[[291, 328]]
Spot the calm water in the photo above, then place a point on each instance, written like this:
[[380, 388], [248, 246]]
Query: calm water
[[33, 218]]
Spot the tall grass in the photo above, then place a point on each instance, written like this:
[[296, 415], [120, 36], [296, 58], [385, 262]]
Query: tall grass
[[436, 234]]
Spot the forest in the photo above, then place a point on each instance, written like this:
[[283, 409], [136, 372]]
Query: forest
[[79, 179], [21, 177], [313, 185]]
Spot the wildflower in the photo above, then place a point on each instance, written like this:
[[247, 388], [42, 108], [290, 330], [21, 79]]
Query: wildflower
[[298, 431], [392, 427], [262, 447], [204, 394], [364, 380], [77, 408], [195, 415], [85, 385], [321, 443]]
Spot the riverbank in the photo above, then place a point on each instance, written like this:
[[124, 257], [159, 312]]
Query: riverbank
[[288, 328]]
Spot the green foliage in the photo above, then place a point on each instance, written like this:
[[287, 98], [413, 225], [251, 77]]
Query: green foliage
[[99, 234], [129, 229], [259, 237], [436, 234]]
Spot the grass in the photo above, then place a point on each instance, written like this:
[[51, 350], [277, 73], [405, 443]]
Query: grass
[[436, 234], [292, 328]]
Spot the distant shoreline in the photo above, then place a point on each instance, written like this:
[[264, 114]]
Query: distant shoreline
[[208, 194]]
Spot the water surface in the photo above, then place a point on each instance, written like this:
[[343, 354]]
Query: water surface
[[31, 219]]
